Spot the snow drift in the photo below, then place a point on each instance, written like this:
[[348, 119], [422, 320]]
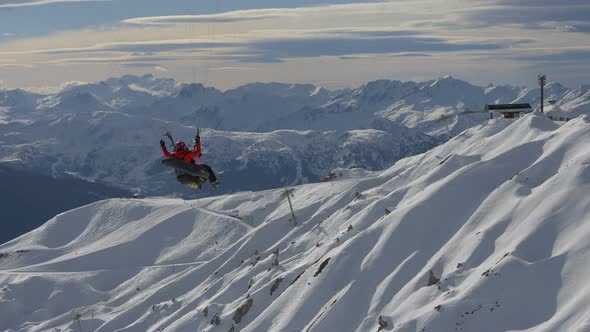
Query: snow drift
[[495, 221]]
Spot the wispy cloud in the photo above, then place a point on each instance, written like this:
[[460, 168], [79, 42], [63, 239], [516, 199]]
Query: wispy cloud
[[22, 3], [140, 65], [160, 69], [411, 55], [233, 16], [573, 56], [111, 60], [233, 68], [564, 15], [154, 46], [284, 49], [341, 42], [15, 65]]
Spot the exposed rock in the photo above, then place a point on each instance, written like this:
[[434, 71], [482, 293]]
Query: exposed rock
[[383, 324], [242, 311], [322, 266], [275, 285], [432, 280]]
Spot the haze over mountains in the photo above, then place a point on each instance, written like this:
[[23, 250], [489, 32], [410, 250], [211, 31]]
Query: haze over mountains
[[29, 199]]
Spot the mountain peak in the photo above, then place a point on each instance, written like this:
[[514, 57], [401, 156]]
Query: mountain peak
[[76, 102], [449, 80], [196, 90]]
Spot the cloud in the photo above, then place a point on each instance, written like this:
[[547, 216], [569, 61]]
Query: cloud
[[564, 27], [258, 59], [308, 43], [232, 68], [566, 15], [570, 56], [342, 43], [111, 60], [411, 55], [140, 65], [233, 16], [22, 3], [150, 47], [153, 66], [15, 65], [71, 84], [277, 50]]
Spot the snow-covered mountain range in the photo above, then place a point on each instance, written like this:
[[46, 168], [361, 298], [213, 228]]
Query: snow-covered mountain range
[[258, 136], [486, 232]]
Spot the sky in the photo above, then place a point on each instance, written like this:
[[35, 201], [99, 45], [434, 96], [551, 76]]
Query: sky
[[332, 43]]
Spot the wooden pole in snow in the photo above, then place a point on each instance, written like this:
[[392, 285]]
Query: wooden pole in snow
[[542, 78], [288, 193]]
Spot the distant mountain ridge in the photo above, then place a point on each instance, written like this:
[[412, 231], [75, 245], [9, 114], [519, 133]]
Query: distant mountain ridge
[[292, 133]]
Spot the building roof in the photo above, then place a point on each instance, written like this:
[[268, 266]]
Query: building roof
[[509, 107]]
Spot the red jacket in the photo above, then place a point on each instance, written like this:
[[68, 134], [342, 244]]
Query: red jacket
[[187, 155]]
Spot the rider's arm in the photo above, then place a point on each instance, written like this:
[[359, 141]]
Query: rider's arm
[[166, 153], [196, 152]]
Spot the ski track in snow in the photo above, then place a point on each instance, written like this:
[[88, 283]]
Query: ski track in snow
[[499, 214]]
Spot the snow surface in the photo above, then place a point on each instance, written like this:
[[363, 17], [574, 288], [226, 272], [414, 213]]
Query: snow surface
[[499, 214]]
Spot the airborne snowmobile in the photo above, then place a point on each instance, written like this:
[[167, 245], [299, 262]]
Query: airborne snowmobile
[[188, 164]]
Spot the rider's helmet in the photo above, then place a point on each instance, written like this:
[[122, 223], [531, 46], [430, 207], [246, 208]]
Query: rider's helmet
[[180, 145]]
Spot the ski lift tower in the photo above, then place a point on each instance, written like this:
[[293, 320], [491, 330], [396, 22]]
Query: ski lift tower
[[542, 78]]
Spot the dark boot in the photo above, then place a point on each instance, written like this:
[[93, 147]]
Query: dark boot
[[212, 177]]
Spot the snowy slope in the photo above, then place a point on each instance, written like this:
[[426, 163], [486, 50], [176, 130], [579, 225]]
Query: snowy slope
[[499, 214]]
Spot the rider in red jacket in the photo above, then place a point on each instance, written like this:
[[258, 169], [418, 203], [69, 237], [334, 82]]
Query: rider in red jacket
[[182, 152], [191, 156]]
